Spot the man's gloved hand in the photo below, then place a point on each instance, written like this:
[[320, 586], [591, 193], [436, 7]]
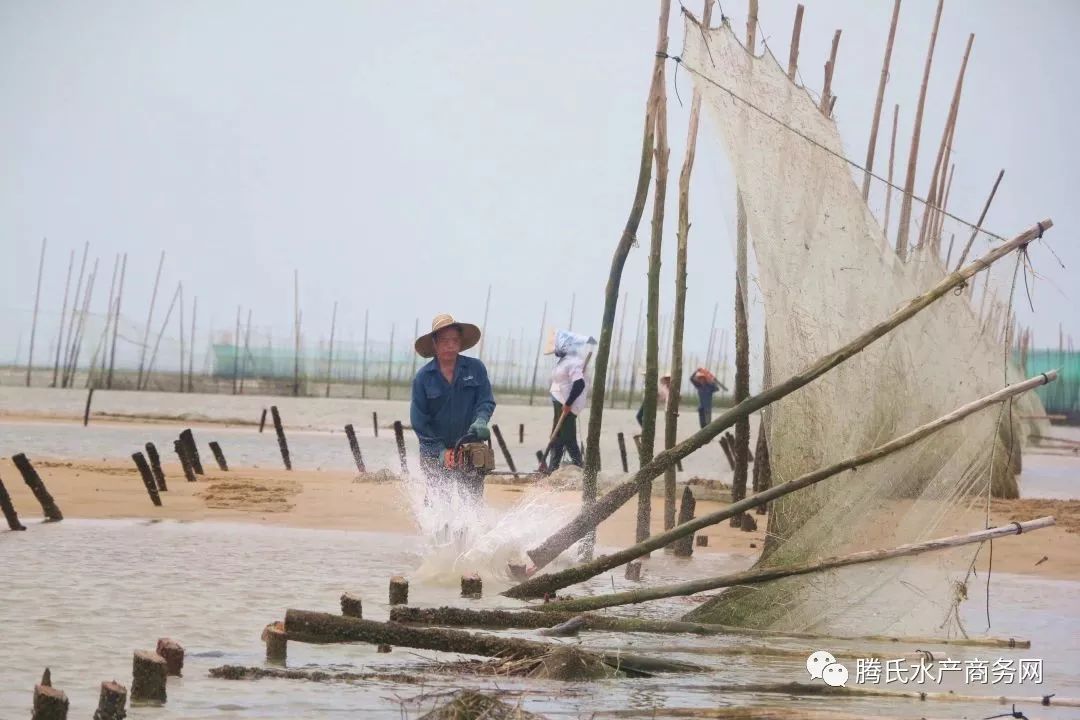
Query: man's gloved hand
[[479, 428]]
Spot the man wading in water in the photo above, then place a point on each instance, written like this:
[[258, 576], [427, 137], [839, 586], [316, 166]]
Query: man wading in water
[[451, 403]]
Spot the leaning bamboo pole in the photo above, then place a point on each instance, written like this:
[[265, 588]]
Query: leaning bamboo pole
[[116, 323], [108, 322], [549, 583], [933, 196], [889, 185], [913, 153], [652, 304], [796, 34], [760, 575], [149, 319], [37, 303], [76, 345], [635, 354], [247, 350], [330, 354], [939, 218], [872, 145], [618, 260], [63, 314], [827, 98], [982, 216], [592, 516], [74, 314], [180, 322], [536, 363], [157, 343], [191, 345], [671, 415], [618, 351]]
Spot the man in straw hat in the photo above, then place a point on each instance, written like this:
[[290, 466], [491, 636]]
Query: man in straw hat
[[567, 391], [451, 398]]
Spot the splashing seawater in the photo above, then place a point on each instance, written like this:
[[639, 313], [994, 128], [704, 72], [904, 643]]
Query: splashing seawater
[[461, 534]]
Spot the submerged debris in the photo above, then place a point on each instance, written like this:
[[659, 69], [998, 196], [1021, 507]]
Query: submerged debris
[[471, 705]]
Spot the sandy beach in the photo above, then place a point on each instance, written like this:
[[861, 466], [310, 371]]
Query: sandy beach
[[376, 502]]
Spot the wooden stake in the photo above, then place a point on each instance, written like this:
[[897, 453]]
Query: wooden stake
[[684, 547], [155, 466], [759, 575], [283, 445], [355, 447], [33, 480], [982, 216], [399, 438], [192, 450], [796, 32], [185, 463], [219, 456], [8, 508], [277, 643], [622, 452], [262, 420], [352, 605], [149, 319], [537, 586], [86, 412], [37, 303], [111, 702], [399, 590], [872, 146], [826, 91], [149, 671], [913, 153], [505, 450], [586, 521], [147, 478], [375, 422]]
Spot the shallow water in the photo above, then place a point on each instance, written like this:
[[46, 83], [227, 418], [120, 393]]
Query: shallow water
[[79, 596]]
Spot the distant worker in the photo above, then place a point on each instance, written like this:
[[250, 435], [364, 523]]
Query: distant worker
[[663, 394], [452, 403], [706, 385], [568, 384]]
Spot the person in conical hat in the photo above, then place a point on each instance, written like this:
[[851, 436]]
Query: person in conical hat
[[567, 391], [451, 396]]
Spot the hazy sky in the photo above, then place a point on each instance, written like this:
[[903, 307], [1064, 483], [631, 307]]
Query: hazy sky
[[404, 156]]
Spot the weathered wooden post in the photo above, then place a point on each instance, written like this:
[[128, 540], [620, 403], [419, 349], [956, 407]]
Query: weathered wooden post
[[86, 412], [701, 540], [188, 439], [633, 570], [281, 437], [521, 433], [262, 420], [219, 456], [352, 606], [472, 586], [49, 703], [149, 674], [181, 452], [155, 466], [111, 702], [277, 643], [726, 445], [147, 478], [375, 423], [505, 450], [8, 508], [399, 437], [399, 590], [622, 452], [355, 447], [30, 475], [173, 652], [684, 547]]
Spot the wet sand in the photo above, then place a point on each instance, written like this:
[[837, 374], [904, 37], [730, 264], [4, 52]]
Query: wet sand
[[378, 503]]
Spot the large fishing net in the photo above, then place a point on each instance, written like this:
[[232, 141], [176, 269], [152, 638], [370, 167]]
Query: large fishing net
[[824, 271]]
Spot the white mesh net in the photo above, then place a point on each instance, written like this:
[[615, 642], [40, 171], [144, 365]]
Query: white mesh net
[[824, 272]]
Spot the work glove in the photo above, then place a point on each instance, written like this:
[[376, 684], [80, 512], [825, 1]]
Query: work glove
[[479, 428]]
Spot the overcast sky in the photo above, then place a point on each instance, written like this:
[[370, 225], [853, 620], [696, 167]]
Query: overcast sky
[[404, 156]]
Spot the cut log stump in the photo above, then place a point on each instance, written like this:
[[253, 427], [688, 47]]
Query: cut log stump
[[149, 673], [111, 702], [173, 652]]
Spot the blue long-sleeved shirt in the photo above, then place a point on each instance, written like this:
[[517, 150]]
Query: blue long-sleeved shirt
[[442, 412]]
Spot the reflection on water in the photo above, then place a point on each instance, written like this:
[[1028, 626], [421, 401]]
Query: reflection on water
[[79, 596]]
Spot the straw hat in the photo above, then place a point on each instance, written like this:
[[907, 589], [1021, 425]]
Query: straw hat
[[425, 344]]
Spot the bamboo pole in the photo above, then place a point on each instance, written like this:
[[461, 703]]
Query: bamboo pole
[[712, 337], [872, 145], [236, 353], [363, 362], [63, 314], [618, 352], [247, 351], [37, 303], [157, 343], [191, 349], [933, 197], [390, 361], [549, 583], [652, 304], [618, 261], [741, 449], [982, 216], [573, 301], [796, 33], [296, 333], [751, 24], [484, 328], [913, 153], [76, 346], [330, 355], [889, 184], [149, 319], [116, 322], [416, 333], [601, 510], [634, 354], [760, 575], [69, 342], [536, 364], [940, 216], [181, 324], [827, 98]]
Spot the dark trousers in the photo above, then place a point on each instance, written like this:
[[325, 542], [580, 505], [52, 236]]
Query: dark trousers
[[566, 440], [704, 415]]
